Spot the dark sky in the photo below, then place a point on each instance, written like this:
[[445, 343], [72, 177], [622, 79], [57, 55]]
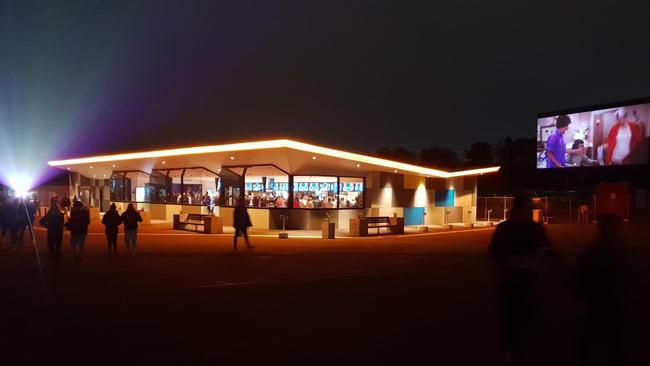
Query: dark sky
[[351, 74]]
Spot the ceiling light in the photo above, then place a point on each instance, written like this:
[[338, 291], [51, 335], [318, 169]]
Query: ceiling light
[[91, 167], [358, 165], [232, 158], [313, 158], [163, 162]]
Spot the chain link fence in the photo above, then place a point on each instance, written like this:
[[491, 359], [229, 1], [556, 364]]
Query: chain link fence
[[550, 209]]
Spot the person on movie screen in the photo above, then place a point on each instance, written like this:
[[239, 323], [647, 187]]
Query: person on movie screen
[[622, 138], [555, 145]]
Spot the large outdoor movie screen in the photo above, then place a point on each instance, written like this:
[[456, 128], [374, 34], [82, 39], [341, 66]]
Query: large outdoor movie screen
[[611, 136]]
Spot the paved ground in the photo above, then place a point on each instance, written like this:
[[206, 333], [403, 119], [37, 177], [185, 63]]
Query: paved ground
[[188, 299]]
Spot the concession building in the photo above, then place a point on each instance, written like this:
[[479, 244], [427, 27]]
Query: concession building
[[274, 179]]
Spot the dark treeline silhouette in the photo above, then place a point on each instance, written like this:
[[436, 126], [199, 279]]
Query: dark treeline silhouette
[[511, 154]]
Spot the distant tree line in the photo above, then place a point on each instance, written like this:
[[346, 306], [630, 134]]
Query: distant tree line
[[508, 153], [516, 157]]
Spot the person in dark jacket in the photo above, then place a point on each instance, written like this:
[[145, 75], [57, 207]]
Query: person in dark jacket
[[78, 226], [241, 223], [112, 221], [131, 218], [66, 204], [602, 277], [15, 216], [517, 245], [53, 221]]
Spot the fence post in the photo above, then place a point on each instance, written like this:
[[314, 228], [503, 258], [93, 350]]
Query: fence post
[[546, 209]]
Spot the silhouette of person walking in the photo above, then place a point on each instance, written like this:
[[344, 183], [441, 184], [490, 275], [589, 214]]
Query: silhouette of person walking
[[15, 217], [53, 221], [241, 223], [78, 226], [131, 218], [111, 221], [601, 279], [516, 247]]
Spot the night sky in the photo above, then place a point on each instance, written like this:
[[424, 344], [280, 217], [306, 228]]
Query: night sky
[[360, 75]]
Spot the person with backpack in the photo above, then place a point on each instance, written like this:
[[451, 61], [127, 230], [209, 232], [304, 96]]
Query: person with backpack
[[78, 226], [53, 222], [112, 221], [131, 218]]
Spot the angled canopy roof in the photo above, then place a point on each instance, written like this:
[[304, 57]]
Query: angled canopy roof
[[289, 155]]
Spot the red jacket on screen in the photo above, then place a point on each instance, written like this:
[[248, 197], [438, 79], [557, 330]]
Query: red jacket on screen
[[635, 129]]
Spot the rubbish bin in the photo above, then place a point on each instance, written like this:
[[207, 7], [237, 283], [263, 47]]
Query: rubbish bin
[[328, 229]]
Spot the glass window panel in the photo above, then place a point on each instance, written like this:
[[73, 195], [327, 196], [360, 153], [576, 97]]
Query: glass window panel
[[351, 192], [266, 187], [137, 183], [159, 186], [229, 191], [200, 187], [174, 176], [314, 192], [116, 185]]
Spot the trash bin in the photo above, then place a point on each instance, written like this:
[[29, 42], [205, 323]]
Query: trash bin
[[328, 229]]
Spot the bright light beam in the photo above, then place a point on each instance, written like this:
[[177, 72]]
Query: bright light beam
[[21, 184]]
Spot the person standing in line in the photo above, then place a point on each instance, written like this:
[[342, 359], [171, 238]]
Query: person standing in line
[[112, 221], [516, 247], [241, 223], [53, 221], [78, 226], [131, 218]]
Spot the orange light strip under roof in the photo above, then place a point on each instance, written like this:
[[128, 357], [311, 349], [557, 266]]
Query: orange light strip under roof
[[273, 144]]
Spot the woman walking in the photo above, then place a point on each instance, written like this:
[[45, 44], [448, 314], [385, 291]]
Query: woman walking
[[112, 221], [131, 218]]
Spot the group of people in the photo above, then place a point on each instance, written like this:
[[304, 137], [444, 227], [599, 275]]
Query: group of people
[[311, 200], [521, 249], [16, 215], [192, 198], [265, 199], [56, 220]]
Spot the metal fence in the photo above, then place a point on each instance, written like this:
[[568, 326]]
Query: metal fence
[[557, 209]]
